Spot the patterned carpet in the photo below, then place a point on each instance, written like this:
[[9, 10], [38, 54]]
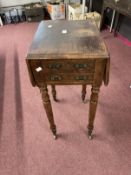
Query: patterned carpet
[[26, 143]]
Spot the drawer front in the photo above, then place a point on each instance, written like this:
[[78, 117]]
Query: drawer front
[[63, 78], [69, 78], [64, 66]]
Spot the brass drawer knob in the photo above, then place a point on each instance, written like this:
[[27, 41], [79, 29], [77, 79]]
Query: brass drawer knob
[[80, 66], [54, 66], [55, 78], [81, 77]]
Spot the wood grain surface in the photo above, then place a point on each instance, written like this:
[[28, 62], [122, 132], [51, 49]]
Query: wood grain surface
[[81, 40]]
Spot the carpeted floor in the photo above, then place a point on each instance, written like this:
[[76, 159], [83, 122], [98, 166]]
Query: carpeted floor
[[26, 143]]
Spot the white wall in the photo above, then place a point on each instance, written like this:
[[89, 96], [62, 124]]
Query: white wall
[[7, 3]]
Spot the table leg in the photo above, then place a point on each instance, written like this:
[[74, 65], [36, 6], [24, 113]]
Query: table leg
[[92, 109], [48, 109], [83, 92], [54, 92]]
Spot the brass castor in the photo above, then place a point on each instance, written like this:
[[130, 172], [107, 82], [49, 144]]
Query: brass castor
[[90, 134], [55, 137]]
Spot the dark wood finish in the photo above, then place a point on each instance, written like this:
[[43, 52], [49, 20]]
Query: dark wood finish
[[48, 108], [54, 92], [92, 108], [34, 12], [83, 92], [78, 57], [122, 7]]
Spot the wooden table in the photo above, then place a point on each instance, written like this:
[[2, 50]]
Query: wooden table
[[68, 53], [120, 7]]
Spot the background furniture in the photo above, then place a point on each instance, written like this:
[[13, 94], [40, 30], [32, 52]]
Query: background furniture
[[13, 3], [34, 12], [12, 14], [120, 7], [68, 53]]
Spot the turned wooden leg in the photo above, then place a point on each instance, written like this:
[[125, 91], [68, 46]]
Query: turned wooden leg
[[83, 92], [54, 92], [48, 109], [92, 109]]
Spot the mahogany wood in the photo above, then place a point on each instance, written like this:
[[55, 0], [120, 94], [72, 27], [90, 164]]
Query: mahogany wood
[[75, 57]]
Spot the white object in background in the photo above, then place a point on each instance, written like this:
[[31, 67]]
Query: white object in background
[[112, 21], [1, 23], [72, 1], [91, 16], [56, 11], [75, 10], [94, 16]]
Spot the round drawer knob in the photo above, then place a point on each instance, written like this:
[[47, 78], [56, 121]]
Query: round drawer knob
[[81, 77], [54, 66], [80, 66], [55, 78]]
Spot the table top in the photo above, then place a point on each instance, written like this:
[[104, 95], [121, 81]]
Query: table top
[[67, 39]]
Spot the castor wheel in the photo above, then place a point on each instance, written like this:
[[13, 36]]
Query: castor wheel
[[90, 135], [55, 137]]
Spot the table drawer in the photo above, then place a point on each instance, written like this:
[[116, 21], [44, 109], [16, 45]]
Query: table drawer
[[64, 78], [64, 66]]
